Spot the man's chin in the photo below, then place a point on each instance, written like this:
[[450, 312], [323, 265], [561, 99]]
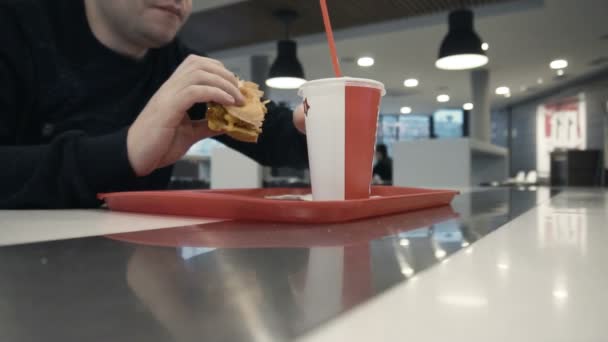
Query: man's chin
[[159, 39]]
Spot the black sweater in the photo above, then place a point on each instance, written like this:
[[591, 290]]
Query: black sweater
[[66, 102]]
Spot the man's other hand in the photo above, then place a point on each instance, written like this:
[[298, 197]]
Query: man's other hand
[[299, 119]]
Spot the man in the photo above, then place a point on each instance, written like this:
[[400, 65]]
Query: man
[[383, 169], [97, 95]]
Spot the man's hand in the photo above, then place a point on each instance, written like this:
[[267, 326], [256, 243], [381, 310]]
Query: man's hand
[[299, 119], [163, 132]]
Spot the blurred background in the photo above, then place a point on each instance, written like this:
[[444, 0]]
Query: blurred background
[[479, 92]]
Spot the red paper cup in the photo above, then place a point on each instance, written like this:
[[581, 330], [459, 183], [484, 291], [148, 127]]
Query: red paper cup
[[341, 121]]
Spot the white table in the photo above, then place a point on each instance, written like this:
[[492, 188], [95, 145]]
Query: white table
[[542, 277], [27, 226]]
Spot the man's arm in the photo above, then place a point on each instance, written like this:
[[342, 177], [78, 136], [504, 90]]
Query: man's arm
[[67, 172]]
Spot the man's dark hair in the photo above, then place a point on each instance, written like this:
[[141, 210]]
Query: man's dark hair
[[381, 148]]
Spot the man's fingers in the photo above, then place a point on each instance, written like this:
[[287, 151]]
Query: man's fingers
[[221, 71], [193, 63], [206, 71], [200, 77], [195, 59], [201, 93]]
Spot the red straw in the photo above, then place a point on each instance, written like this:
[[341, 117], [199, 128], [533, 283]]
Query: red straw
[[330, 39]]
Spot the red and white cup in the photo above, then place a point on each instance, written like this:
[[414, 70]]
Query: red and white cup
[[341, 121]]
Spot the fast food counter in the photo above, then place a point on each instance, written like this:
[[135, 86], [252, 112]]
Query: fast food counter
[[496, 261]]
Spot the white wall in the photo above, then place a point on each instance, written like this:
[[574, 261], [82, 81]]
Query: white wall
[[233, 170], [432, 163]]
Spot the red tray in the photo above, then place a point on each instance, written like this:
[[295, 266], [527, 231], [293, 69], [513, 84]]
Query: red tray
[[251, 204]]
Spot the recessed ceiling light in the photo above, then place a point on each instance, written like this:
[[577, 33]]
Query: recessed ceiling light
[[503, 90], [560, 72], [539, 81], [468, 106], [508, 95], [443, 98], [365, 62], [410, 83], [406, 110], [559, 64], [485, 46]]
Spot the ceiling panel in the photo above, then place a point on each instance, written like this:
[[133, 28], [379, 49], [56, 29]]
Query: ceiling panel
[[251, 22], [205, 5]]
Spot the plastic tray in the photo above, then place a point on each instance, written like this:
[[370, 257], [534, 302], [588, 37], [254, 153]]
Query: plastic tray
[[252, 204]]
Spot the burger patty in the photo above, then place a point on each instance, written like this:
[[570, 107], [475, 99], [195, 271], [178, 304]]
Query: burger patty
[[220, 120]]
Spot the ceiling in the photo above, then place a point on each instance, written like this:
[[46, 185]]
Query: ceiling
[[248, 16], [524, 36], [205, 5]]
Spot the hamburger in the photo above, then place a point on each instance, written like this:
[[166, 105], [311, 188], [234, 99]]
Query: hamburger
[[241, 123]]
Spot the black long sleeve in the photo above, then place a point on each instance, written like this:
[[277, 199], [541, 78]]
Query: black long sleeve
[[66, 171], [66, 102]]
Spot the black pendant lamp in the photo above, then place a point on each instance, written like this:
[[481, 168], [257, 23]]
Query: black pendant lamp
[[286, 72], [461, 47]]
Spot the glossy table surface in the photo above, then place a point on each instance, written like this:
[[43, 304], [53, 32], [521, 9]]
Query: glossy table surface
[[238, 281], [541, 277]]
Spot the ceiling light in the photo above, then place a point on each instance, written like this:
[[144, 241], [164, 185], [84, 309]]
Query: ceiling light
[[508, 95], [468, 106], [461, 47], [461, 62], [503, 266], [485, 46], [365, 62], [560, 72], [404, 242], [285, 82], [503, 90], [411, 83], [523, 88], [539, 81], [559, 64], [406, 110], [443, 98], [286, 71]]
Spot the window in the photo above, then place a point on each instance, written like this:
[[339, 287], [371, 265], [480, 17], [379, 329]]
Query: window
[[414, 127], [448, 123]]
